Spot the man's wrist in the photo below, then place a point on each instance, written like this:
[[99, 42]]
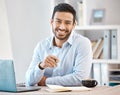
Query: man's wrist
[[40, 66]]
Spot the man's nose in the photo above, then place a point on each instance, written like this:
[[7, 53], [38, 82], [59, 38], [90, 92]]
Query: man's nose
[[62, 26]]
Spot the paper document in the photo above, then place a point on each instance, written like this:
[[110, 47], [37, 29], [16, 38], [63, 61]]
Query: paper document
[[58, 88]]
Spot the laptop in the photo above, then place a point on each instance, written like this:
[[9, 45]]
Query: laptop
[[7, 78]]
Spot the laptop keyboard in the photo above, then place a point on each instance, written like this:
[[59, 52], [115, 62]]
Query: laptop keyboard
[[20, 84]]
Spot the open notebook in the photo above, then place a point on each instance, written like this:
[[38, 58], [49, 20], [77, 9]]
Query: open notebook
[[59, 88], [7, 78]]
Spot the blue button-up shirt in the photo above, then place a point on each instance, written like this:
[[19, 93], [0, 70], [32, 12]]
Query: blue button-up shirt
[[75, 60]]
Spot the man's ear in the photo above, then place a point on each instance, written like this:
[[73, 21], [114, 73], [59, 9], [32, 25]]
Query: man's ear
[[75, 22], [51, 21]]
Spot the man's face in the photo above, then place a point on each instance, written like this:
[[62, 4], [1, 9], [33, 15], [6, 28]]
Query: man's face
[[62, 25]]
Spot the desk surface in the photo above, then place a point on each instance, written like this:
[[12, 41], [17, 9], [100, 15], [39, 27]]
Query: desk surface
[[105, 90]]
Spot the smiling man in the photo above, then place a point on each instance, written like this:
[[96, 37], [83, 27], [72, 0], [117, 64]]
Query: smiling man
[[64, 58]]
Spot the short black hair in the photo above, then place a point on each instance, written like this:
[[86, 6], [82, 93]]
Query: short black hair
[[64, 7]]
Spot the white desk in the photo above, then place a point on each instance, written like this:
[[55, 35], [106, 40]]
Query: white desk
[[100, 90]]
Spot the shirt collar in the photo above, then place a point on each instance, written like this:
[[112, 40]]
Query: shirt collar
[[70, 39], [51, 41]]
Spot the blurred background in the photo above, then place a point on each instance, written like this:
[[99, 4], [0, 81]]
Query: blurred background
[[23, 23]]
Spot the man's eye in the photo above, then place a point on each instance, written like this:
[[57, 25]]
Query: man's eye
[[58, 21], [68, 23]]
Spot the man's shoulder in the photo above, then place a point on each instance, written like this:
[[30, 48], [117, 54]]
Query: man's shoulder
[[81, 43], [80, 38]]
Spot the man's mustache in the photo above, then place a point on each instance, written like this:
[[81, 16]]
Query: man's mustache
[[63, 30]]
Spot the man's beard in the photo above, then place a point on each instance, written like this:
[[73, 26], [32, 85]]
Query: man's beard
[[61, 38]]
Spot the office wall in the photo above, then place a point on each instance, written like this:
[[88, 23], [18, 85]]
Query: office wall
[[111, 10], [29, 22], [5, 43]]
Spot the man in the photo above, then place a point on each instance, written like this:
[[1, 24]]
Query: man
[[63, 59]]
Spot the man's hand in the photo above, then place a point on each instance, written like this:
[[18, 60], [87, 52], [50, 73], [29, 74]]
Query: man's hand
[[50, 61], [42, 81]]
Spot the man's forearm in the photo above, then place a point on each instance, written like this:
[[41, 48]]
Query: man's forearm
[[66, 80], [34, 76]]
